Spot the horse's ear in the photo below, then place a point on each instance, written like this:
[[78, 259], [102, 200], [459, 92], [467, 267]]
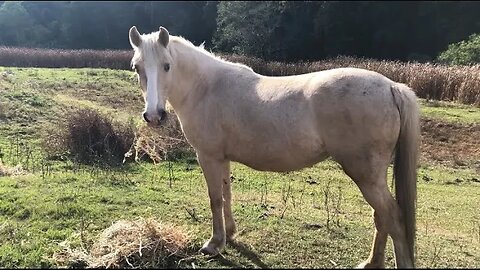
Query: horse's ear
[[134, 37], [163, 36]]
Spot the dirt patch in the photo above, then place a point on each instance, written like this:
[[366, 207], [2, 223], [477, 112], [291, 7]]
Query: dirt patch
[[451, 144]]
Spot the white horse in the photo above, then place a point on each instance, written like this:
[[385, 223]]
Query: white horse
[[230, 113]]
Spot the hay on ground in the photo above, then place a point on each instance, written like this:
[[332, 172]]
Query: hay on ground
[[144, 243], [10, 171]]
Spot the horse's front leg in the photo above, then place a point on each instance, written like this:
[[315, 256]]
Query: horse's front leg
[[230, 227], [214, 172]]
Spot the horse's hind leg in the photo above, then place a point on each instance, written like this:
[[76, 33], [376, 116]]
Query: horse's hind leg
[[377, 253], [371, 179]]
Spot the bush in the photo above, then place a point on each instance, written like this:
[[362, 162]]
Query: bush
[[90, 138], [465, 52]]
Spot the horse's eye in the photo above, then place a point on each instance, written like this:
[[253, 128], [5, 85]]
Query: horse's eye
[[166, 66]]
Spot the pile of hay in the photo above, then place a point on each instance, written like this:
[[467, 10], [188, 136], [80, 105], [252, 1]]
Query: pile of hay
[[144, 243], [10, 171]]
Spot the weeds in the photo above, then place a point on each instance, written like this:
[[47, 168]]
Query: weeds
[[332, 205]]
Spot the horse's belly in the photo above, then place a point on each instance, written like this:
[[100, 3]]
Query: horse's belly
[[281, 159]]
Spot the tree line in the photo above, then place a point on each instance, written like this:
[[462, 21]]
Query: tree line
[[270, 30]]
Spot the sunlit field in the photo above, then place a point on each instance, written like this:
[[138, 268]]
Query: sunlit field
[[52, 200]]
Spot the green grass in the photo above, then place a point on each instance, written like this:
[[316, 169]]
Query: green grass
[[282, 218], [450, 112], [283, 231]]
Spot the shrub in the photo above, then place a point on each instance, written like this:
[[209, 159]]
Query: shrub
[[90, 138], [465, 52]]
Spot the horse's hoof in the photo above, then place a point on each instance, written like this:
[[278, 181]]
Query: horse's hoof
[[209, 251], [213, 247], [367, 264]]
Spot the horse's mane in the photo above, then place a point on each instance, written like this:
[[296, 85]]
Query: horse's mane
[[201, 49], [178, 40]]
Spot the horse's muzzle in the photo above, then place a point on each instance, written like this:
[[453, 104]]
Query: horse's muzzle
[[155, 120]]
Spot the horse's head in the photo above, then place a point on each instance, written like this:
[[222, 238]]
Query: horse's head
[[152, 63]]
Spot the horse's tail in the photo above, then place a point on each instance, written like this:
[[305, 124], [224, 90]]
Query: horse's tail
[[405, 165]]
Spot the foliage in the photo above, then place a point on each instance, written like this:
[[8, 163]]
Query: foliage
[[286, 31], [271, 30], [100, 25], [464, 52]]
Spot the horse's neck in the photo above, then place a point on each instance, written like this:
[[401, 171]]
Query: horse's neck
[[198, 73]]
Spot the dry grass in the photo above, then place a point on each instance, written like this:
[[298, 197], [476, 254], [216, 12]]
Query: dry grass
[[160, 143], [451, 144], [431, 81], [90, 137], [10, 171], [57, 58], [144, 243]]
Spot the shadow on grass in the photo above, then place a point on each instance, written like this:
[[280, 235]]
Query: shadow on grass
[[245, 252]]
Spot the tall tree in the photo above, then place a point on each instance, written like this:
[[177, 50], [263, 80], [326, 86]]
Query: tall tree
[[16, 25]]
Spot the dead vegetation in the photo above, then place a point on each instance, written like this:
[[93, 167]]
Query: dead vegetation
[[89, 137], [6, 170], [429, 80], [59, 58], [144, 243], [160, 143]]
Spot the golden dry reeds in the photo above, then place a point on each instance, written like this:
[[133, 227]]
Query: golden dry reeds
[[60, 58], [429, 80]]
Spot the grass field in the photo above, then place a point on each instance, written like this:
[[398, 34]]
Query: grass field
[[312, 218]]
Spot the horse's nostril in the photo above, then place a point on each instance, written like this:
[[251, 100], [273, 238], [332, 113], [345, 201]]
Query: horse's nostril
[[145, 117], [163, 115]]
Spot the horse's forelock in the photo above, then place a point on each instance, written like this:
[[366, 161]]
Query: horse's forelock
[[149, 49]]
